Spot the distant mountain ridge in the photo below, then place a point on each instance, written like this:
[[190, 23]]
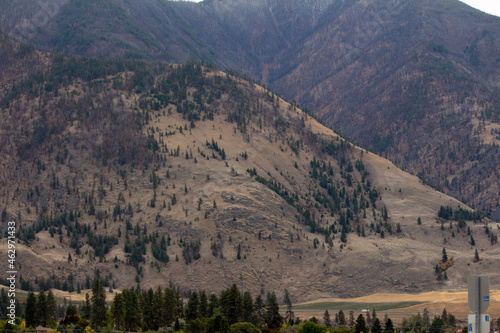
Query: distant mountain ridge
[[417, 81]]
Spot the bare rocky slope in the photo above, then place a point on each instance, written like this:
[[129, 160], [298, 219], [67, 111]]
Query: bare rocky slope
[[154, 175], [416, 81]]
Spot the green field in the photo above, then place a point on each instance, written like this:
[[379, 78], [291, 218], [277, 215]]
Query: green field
[[351, 306]]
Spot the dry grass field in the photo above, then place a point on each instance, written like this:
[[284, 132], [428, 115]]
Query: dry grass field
[[454, 303]]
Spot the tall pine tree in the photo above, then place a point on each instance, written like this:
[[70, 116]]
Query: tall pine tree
[[118, 310], [51, 309], [30, 311], [99, 309], [41, 309], [273, 317]]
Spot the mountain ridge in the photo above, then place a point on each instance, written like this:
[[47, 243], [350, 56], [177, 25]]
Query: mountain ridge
[[401, 79], [142, 174]]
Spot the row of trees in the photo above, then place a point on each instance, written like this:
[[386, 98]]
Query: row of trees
[[230, 311]]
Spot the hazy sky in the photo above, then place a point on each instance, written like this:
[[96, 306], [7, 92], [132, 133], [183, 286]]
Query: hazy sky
[[487, 6]]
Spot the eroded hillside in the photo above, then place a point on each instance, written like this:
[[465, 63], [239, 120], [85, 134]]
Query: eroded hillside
[[161, 174]]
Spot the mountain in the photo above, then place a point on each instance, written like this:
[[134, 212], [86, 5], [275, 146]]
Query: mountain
[[415, 81], [147, 174]]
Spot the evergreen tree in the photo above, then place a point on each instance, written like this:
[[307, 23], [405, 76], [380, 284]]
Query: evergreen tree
[[389, 326], [376, 327], [437, 325], [203, 304], [86, 309], [179, 306], [131, 304], [41, 309], [326, 319], [147, 308], [444, 257], [157, 309], [426, 319], [476, 256], [233, 305], [247, 308], [98, 314], [289, 312], [169, 307], [444, 316], [341, 318], [273, 317], [51, 309], [360, 325], [259, 309], [451, 321], [212, 305], [192, 307], [71, 310], [118, 310], [30, 310], [218, 324], [351, 318]]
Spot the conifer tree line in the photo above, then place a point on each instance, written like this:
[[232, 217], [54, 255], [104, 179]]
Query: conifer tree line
[[166, 310]]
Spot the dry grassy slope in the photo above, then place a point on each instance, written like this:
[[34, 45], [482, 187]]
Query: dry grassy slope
[[244, 207]]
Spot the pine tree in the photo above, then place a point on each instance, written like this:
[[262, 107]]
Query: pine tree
[[437, 325], [273, 317], [30, 311], [212, 305], [476, 256], [247, 308], [389, 326], [131, 305], [376, 327], [86, 309], [444, 257], [146, 306], [51, 309], [289, 316], [203, 304], [157, 309], [192, 307], [41, 309], [426, 318], [360, 324], [169, 306], [259, 309], [444, 316], [326, 319], [118, 310], [99, 309], [71, 311], [233, 305], [341, 318], [351, 318]]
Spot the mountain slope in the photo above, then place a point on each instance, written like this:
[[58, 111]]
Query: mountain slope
[[417, 81], [153, 174]]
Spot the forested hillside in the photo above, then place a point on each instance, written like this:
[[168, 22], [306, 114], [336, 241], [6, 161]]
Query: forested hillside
[[416, 81], [137, 173]]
